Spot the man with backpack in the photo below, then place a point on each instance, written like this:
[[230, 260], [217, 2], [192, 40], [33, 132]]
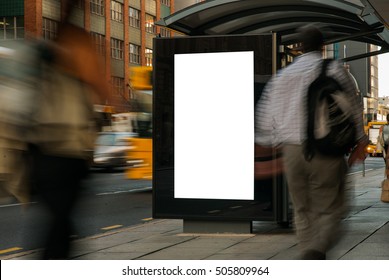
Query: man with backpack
[[315, 176]]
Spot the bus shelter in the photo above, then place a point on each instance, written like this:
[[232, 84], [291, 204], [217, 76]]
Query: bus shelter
[[205, 85]]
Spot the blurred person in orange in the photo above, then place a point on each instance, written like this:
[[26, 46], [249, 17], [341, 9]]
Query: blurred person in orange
[[316, 185], [64, 129]]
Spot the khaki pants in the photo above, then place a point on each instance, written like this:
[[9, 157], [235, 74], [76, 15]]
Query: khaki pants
[[317, 192]]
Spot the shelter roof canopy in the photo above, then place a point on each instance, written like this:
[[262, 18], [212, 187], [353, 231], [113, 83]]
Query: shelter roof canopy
[[358, 20]]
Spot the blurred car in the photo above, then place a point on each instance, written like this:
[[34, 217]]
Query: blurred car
[[111, 149]]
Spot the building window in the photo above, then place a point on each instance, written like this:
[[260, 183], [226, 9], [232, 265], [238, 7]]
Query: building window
[[117, 47], [97, 7], [19, 27], [165, 2], [149, 57], [118, 86], [79, 4], [150, 27], [50, 29], [134, 54], [165, 32], [134, 17], [11, 28], [116, 11], [99, 42], [373, 83]]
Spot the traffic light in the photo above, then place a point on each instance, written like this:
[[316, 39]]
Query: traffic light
[[141, 78]]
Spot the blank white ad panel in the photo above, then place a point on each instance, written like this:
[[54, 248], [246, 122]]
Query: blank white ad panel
[[214, 125]]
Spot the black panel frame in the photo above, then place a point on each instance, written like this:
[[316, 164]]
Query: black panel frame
[[265, 205]]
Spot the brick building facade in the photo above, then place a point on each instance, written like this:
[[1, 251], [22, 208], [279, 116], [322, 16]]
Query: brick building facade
[[122, 30]]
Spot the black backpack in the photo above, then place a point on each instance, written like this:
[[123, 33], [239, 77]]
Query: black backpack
[[330, 127]]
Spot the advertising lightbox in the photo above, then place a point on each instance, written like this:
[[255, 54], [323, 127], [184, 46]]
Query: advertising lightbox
[[204, 94]]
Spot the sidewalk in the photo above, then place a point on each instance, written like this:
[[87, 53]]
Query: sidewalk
[[366, 236]]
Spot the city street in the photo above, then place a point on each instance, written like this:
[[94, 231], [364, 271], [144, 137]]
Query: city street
[[109, 201], [371, 163]]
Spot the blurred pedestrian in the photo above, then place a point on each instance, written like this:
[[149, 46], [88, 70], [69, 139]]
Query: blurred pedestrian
[[63, 131], [384, 135], [14, 89], [383, 140], [316, 186]]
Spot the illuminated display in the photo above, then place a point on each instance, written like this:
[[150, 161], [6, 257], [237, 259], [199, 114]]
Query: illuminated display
[[208, 113], [204, 94]]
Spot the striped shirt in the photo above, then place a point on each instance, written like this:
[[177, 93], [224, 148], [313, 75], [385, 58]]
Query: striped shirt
[[281, 116]]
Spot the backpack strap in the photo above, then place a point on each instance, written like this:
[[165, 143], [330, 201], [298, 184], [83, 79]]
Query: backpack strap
[[324, 66]]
